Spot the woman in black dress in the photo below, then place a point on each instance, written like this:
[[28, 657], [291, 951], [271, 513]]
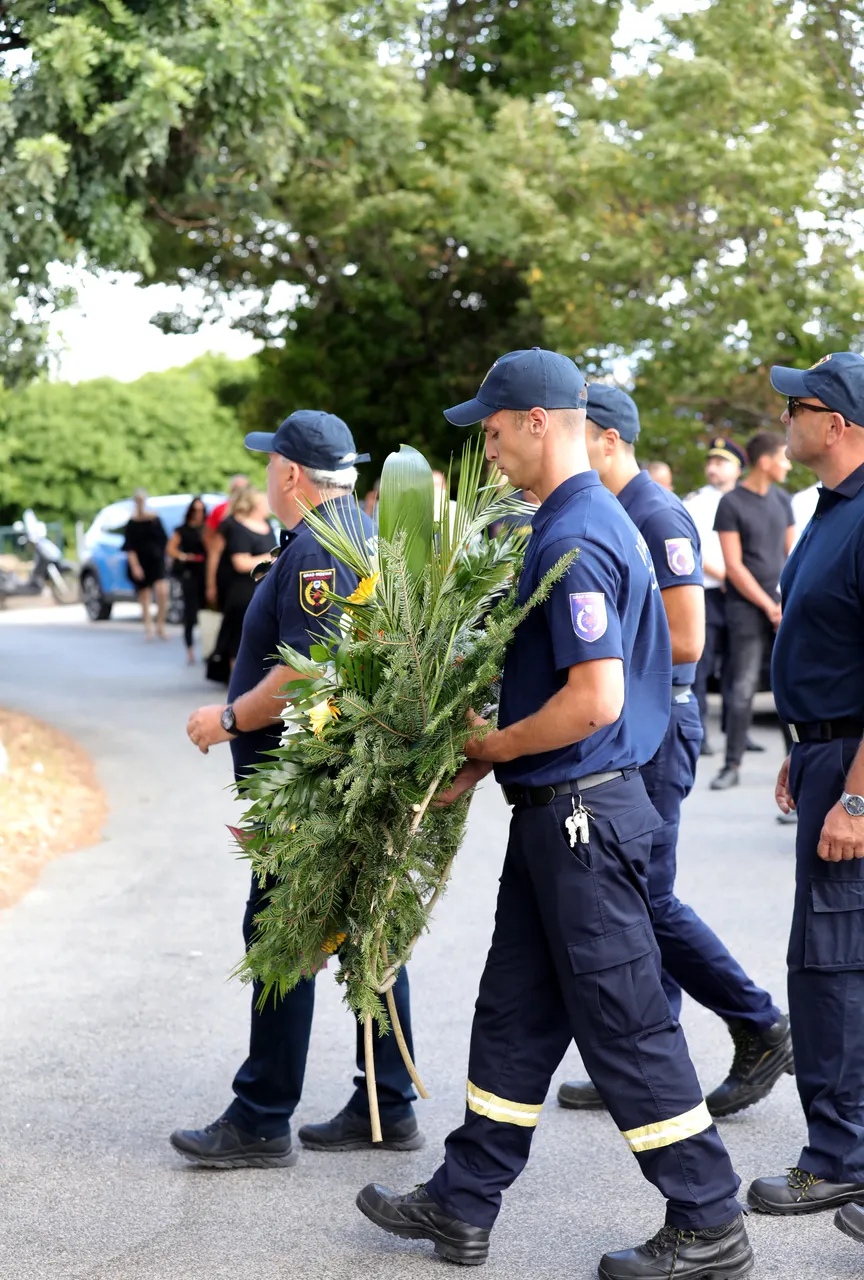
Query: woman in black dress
[[145, 548], [249, 539], [186, 549]]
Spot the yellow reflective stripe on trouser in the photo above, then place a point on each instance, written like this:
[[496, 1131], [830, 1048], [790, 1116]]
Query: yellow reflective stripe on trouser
[[501, 1109], [665, 1132]]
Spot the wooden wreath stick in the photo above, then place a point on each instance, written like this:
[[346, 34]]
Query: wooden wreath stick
[[374, 1115], [384, 986], [403, 1047], [400, 1035], [419, 811]]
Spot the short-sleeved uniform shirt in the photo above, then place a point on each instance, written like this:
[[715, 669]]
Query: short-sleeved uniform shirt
[[761, 520], [607, 605], [817, 669], [670, 531], [290, 606]]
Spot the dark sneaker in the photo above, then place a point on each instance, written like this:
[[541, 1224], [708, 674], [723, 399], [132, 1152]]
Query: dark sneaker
[[352, 1132], [788, 819], [415, 1217], [580, 1095], [725, 779], [223, 1146], [850, 1220], [753, 745], [801, 1192], [759, 1062], [706, 747], [712, 1253]]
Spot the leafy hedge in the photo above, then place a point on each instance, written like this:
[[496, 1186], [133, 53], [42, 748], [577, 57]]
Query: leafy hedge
[[69, 449]]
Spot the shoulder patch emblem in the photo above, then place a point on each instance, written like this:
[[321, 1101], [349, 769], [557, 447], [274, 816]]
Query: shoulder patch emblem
[[588, 614], [680, 557], [315, 588]]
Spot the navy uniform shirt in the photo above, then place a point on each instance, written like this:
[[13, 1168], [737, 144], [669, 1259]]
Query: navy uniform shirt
[[817, 670], [668, 528], [290, 606], [606, 606]]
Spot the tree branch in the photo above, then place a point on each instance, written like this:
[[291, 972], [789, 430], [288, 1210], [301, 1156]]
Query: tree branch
[[187, 224]]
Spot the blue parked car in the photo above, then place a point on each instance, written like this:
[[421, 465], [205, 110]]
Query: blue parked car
[[103, 571]]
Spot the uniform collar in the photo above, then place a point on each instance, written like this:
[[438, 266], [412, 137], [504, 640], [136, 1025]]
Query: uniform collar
[[851, 486], [560, 496], [634, 487]]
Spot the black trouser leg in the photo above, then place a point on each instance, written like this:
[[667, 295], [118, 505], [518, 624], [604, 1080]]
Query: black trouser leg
[[191, 605], [714, 651], [750, 635]]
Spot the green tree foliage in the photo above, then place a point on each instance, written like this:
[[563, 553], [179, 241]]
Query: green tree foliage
[[443, 182], [67, 450]]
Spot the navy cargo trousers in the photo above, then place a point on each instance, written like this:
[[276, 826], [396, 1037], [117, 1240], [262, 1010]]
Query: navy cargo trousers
[[826, 972], [693, 956], [267, 1087], [573, 956]]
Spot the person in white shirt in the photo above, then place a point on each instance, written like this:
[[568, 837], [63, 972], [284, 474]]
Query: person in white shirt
[[803, 506], [723, 466]]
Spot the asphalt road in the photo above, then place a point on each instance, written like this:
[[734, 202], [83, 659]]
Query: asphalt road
[[118, 1022]]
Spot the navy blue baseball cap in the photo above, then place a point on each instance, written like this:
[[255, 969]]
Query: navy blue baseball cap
[[523, 380], [313, 439], [612, 407], [837, 380]]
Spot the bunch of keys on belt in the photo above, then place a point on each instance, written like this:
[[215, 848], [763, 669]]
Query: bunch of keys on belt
[[577, 823]]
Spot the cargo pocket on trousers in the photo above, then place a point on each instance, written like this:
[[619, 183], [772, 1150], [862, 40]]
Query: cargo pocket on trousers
[[618, 981], [834, 937], [634, 831]]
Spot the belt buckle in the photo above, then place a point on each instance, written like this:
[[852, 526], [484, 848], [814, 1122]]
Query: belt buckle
[[549, 789], [793, 733]]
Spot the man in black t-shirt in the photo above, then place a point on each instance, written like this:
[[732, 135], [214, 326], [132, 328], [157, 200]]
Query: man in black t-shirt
[[757, 529]]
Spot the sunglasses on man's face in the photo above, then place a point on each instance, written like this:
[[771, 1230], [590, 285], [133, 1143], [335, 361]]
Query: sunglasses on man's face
[[793, 404]]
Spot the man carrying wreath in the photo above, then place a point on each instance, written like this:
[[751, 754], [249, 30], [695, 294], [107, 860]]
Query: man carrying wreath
[[585, 701], [312, 458]]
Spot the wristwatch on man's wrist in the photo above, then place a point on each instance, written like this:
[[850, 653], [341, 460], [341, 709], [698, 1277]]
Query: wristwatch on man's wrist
[[854, 805], [229, 724]]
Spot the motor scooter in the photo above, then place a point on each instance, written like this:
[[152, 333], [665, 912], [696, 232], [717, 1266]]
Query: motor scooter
[[49, 567]]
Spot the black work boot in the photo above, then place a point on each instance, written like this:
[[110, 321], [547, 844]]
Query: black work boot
[[760, 1059], [580, 1095], [415, 1217], [850, 1220], [350, 1131], [223, 1146], [801, 1192], [711, 1253], [726, 778]]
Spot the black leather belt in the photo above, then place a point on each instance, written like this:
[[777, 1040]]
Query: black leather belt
[[527, 797], [827, 730]]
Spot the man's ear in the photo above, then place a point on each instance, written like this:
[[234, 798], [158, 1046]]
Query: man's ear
[[538, 421]]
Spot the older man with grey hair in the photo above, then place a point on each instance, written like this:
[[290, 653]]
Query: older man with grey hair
[[312, 459]]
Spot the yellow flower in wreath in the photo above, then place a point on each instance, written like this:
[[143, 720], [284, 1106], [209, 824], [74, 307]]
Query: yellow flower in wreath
[[321, 714], [365, 590]]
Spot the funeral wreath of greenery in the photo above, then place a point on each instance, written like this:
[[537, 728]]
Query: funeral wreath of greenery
[[342, 825]]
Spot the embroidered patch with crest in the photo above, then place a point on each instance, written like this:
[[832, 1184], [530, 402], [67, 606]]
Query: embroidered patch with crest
[[821, 360], [680, 557], [315, 586], [588, 614]]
